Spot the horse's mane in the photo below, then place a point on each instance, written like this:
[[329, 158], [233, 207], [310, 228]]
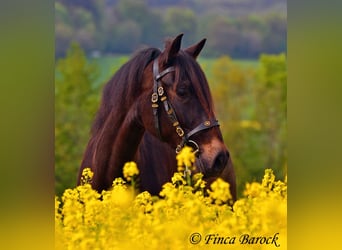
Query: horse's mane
[[123, 84]]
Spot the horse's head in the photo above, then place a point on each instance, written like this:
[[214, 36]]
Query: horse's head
[[181, 106]]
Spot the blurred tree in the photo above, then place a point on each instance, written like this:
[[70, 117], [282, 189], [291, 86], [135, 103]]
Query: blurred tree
[[153, 30], [240, 30], [231, 90], [79, 21], [148, 22], [252, 29], [274, 40], [127, 36], [95, 7], [63, 29], [181, 20], [63, 36], [132, 9], [110, 22], [270, 110], [224, 36], [61, 13], [251, 108], [75, 105], [84, 28]]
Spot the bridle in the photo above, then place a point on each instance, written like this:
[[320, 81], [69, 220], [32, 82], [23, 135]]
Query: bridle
[[159, 97]]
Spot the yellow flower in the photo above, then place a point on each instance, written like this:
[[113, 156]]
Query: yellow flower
[[87, 175], [143, 201], [220, 191], [250, 124], [199, 183], [57, 209], [130, 170], [186, 157], [268, 179], [119, 183], [253, 189], [121, 219], [178, 179]]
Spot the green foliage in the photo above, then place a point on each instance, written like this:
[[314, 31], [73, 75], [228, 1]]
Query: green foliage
[[181, 20], [229, 89], [233, 98], [75, 105], [251, 107], [270, 108]]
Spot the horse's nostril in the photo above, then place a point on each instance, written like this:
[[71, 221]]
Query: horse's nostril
[[220, 161]]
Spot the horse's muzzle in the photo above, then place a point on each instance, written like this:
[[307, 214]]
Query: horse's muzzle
[[214, 165], [219, 164]]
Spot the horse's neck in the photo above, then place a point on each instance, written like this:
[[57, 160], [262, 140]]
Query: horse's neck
[[114, 144], [125, 144], [157, 163]]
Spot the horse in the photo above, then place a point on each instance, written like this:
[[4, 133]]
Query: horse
[[154, 105]]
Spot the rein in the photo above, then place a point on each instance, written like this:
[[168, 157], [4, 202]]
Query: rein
[[159, 97]]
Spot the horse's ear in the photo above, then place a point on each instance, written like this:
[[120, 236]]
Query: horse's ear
[[172, 48], [194, 50]]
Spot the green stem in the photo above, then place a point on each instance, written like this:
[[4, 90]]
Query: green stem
[[188, 179]]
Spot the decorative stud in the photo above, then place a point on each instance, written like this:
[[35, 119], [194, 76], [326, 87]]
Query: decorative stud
[[206, 123], [154, 97], [160, 91], [180, 131]]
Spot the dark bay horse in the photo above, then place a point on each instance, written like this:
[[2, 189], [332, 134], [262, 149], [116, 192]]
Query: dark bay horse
[[155, 104]]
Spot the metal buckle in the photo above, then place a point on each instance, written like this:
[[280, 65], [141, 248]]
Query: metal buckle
[[187, 171], [195, 146], [154, 97], [180, 131], [160, 91], [178, 149]]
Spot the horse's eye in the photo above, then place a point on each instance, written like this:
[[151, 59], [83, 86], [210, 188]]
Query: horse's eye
[[184, 89]]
